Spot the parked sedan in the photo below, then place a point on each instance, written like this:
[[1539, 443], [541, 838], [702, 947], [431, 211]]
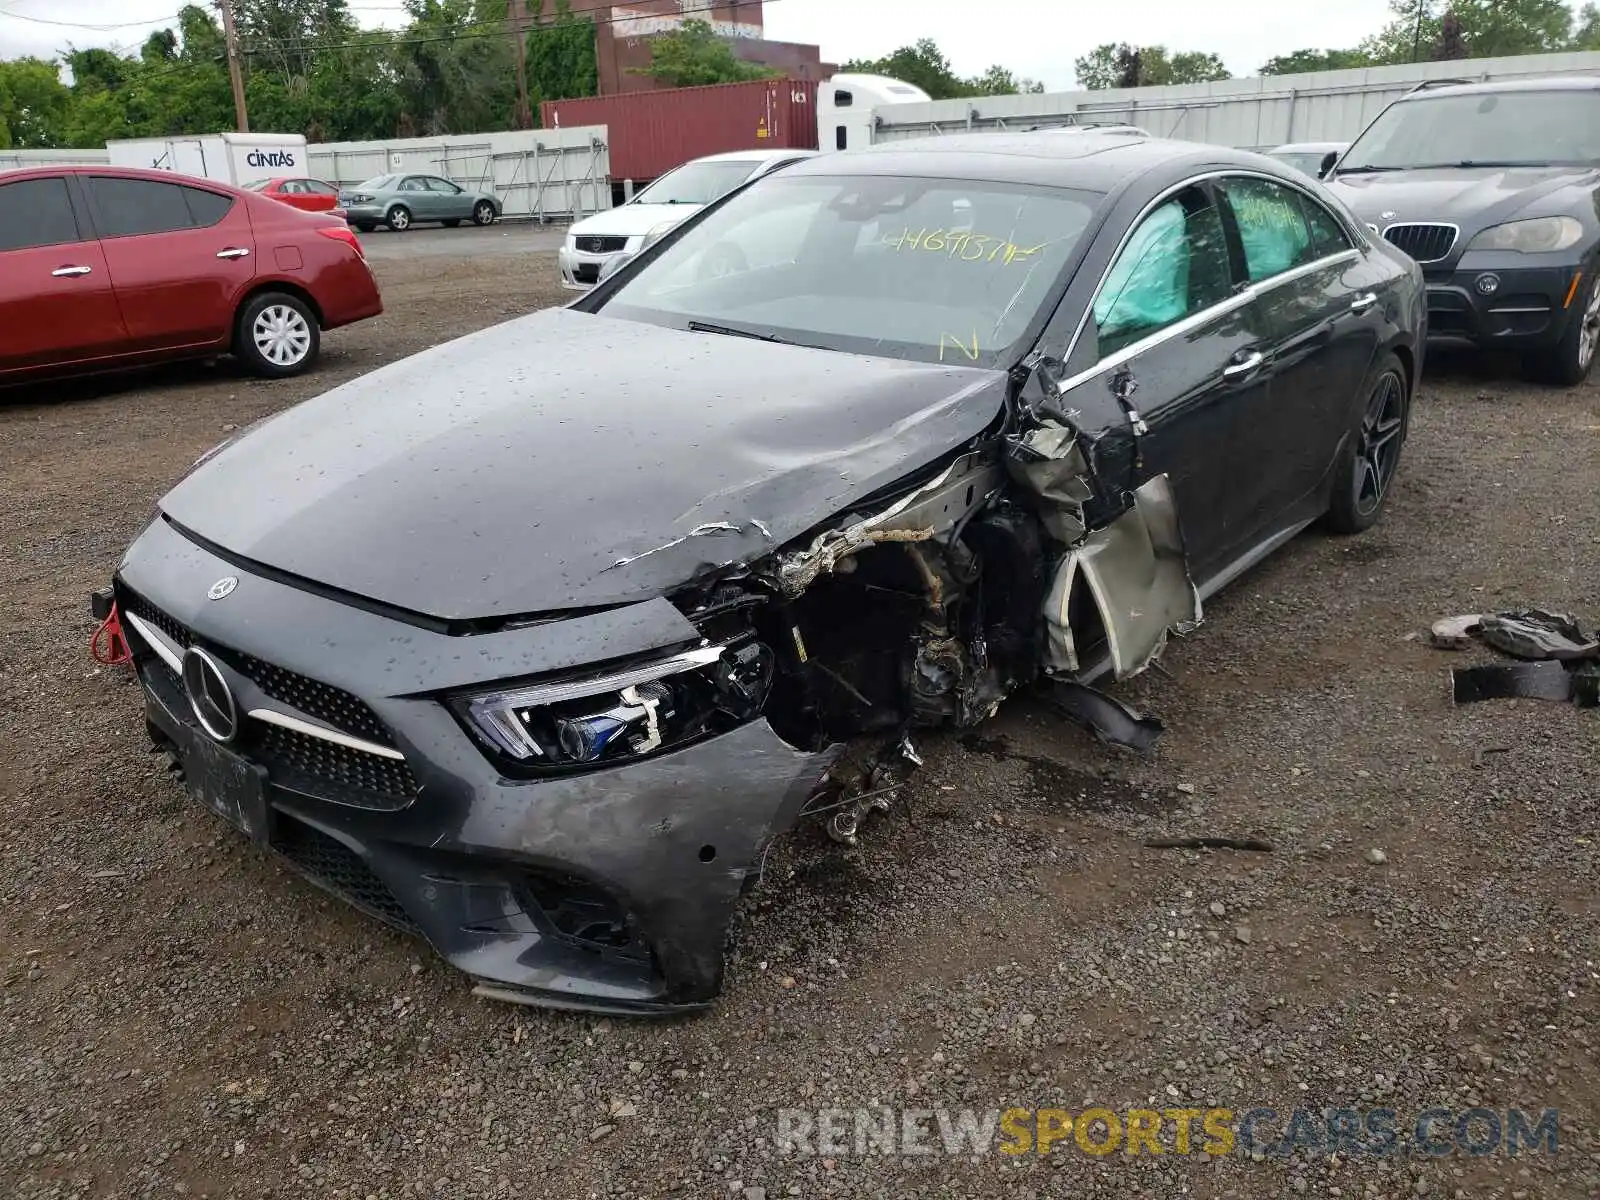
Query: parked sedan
[[537, 662], [104, 267], [595, 243], [400, 201], [309, 195]]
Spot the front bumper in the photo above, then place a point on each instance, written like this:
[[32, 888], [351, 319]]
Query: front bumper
[[580, 269], [611, 891], [1527, 309]]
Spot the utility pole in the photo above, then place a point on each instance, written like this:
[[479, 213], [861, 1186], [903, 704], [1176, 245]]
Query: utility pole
[[235, 73], [516, 14]]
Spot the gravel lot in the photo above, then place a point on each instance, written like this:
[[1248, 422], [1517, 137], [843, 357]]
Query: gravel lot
[[181, 1016]]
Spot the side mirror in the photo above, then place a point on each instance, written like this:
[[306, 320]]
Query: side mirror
[[1328, 161], [612, 265]]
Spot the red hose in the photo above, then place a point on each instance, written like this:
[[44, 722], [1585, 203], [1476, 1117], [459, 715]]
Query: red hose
[[109, 646]]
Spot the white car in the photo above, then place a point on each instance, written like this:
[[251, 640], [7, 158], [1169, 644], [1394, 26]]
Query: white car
[[675, 197]]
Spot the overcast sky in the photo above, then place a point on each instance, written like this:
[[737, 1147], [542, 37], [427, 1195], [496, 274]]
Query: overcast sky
[[1035, 38]]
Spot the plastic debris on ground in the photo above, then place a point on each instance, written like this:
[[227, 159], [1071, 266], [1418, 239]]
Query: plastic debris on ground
[[1559, 659]]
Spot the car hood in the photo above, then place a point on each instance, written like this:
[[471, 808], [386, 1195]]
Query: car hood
[[1473, 198], [567, 460], [633, 220]]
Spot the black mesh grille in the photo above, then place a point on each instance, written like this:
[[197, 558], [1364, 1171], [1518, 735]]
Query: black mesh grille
[[333, 772], [328, 704], [593, 244], [339, 869], [1425, 243], [320, 700]]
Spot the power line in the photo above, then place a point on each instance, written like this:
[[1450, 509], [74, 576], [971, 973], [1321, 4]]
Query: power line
[[16, 16]]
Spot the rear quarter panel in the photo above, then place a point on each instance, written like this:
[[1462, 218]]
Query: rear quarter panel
[[338, 280]]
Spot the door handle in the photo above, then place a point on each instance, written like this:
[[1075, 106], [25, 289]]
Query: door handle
[[1245, 364], [1363, 302], [67, 272], [233, 252]]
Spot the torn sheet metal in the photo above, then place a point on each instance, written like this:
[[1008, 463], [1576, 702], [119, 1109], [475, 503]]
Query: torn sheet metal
[[1536, 634], [1049, 462], [1138, 575], [1511, 681], [921, 515], [1108, 719]]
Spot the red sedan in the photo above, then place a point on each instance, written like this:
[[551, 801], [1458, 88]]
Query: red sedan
[[310, 195], [105, 267]]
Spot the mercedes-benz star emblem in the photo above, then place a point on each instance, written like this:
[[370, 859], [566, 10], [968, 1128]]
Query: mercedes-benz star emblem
[[209, 695], [1388, 216], [222, 587]]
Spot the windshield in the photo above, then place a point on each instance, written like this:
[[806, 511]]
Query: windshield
[[255, 185], [1303, 160], [940, 270], [1506, 129], [698, 182], [378, 184]]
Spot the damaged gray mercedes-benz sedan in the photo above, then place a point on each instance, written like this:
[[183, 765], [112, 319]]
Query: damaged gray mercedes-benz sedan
[[532, 642]]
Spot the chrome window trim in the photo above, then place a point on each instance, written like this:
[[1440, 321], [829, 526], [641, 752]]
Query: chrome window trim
[[1359, 245], [271, 716], [1451, 225], [1195, 320]]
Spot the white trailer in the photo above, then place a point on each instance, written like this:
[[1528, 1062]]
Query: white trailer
[[236, 158], [849, 107]]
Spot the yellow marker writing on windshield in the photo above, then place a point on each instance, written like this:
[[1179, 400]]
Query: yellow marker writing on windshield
[[971, 351], [963, 245]]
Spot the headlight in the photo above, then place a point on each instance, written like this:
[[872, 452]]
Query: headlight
[[1533, 236], [622, 715], [657, 231]]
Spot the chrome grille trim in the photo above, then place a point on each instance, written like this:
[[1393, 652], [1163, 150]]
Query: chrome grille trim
[[157, 641], [1429, 236], [311, 729]]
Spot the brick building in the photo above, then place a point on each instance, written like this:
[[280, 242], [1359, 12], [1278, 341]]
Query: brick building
[[623, 33]]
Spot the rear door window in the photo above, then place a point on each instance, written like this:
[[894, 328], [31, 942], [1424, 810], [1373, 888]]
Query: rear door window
[[140, 207], [36, 212], [1273, 226]]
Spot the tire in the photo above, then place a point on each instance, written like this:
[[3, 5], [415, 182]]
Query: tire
[[452, 223], [1364, 474], [277, 335], [365, 226], [1570, 361], [398, 218], [483, 213]]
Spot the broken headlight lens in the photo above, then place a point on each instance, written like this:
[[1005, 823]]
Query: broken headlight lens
[[626, 714], [1532, 236]]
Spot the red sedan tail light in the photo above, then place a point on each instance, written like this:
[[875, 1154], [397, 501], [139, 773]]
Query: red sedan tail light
[[342, 235]]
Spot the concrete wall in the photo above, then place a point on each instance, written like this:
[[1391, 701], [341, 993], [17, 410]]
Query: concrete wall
[[1256, 112], [547, 174]]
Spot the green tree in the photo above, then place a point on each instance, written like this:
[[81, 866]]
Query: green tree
[[1489, 29], [1452, 40], [1314, 60], [1117, 64], [998, 81], [1586, 35], [448, 82], [921, 64], [34, 104], [561, 62], [693, 55]]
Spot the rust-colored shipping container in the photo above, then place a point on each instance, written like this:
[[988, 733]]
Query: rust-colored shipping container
[[652, 132]]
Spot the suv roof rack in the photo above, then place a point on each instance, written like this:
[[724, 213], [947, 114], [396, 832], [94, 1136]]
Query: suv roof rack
[[1433, 83]]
